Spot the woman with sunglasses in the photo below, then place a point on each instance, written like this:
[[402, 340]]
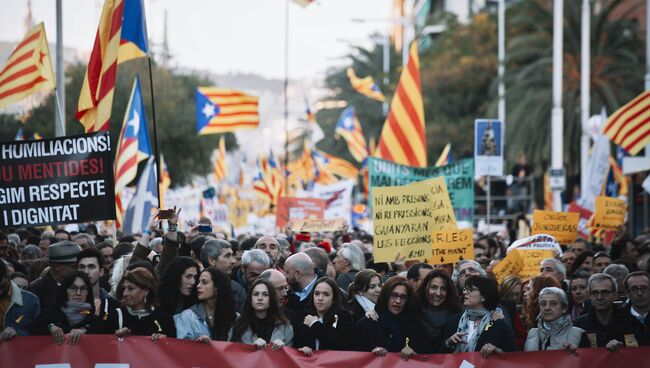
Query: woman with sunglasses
[[398, 328], [474, 329]]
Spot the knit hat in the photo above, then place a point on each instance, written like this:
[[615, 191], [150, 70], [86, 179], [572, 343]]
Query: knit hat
[[326, 246], [64, 251]]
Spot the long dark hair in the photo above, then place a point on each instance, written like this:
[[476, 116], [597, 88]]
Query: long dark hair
[[387, 289], [337, 299], [62, 297], [452, 301], [261, 328], [224, 311], [169, 290]]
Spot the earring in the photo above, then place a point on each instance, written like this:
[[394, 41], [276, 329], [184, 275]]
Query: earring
[[145, 299], [482, 300]]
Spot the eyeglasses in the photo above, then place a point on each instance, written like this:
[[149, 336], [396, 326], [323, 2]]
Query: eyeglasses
[[79, 290], [603, 293], [399, 296], [636, 289]]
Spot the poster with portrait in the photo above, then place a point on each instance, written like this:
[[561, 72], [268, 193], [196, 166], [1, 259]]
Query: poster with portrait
[[488, 147]]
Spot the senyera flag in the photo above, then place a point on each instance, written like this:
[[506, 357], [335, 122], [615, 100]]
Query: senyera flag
[[402, 137], [629, 126], [28, 69], [221, 110], [96, 97]]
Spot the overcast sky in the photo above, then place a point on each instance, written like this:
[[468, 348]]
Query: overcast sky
[[224, 35]]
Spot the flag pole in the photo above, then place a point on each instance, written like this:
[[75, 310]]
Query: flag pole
[[286, 87], [155, 132]]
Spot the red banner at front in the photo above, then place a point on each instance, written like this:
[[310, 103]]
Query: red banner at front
[[140, 351]]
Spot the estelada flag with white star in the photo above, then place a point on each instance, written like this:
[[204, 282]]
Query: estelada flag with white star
[[28, 69], [220, 110]]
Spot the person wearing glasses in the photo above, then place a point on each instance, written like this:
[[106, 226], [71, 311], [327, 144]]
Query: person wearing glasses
[[328, 326], [212, 317], [630, 327], [398, 328], [602, 293], [554, 330], [73, 313], [474, 329]]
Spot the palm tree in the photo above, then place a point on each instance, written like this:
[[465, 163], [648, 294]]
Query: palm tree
[[617, 67]]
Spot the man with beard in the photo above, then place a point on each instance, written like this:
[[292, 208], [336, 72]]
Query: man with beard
[[91, 262], [301, 276]]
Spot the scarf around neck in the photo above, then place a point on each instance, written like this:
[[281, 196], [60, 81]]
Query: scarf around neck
[[75, 312], [553, 328], [364, 302], [470, 316]]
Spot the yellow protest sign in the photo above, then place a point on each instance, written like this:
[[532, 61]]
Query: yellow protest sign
[[563, 226], [442, 211], [451, 246], [531, 261], [510, 265], [312, 225], [609, 213], [405, 216]]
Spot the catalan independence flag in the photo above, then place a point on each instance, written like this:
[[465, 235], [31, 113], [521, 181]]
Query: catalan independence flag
[[28, 69], [349, 128], [221, 110], [338, 165], [96, 97], [629, 126], [134, 39], [402, 137], [366, 86], [220, 169], [445, 156]]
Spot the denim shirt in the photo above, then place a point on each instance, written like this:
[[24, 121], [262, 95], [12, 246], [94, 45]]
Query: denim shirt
[[192, 323], [22, 311]]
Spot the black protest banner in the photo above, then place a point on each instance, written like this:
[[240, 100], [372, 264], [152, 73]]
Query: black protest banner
[[56, 181]]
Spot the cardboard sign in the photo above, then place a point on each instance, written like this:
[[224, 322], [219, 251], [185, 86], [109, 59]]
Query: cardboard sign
[[459, 176], [451, 246], [405, 216], [510, 265], [318, 225], [537, 242], [56, 181], [532, 260], [293, 209], [563, 226], [609, 214]]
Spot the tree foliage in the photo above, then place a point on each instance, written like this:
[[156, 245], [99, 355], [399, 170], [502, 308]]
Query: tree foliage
[[616, 75]]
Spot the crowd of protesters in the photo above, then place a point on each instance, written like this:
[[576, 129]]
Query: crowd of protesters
[[317, 292]]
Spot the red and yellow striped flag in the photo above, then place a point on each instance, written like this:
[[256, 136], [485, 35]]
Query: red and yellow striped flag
[[629, 126], [402, 138], [220, 169], [28, 69], [96, 97]]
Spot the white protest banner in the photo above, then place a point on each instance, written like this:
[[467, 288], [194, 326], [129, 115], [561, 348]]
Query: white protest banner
[[337, 196], [537, 242]]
